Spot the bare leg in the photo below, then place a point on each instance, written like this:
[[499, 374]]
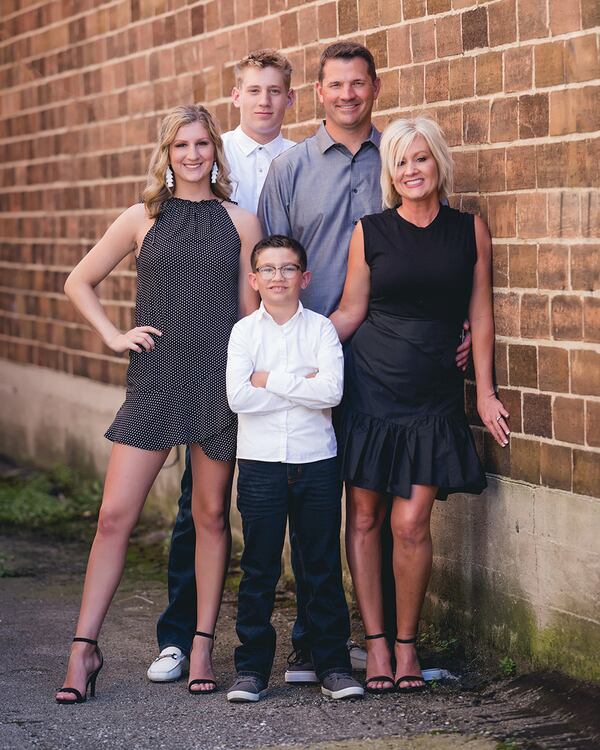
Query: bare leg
[[412, 568], [365, 513], [130, 474], [211, 496]]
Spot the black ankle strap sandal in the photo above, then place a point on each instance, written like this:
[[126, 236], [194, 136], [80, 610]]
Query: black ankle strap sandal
[[90, 681], [203, 680], [407, 677], [378, 677]]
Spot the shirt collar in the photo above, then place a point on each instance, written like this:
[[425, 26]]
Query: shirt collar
[[249, 145], [264, 315], [325, 141]]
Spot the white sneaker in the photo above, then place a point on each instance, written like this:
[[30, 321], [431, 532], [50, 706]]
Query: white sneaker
[[169, 665]]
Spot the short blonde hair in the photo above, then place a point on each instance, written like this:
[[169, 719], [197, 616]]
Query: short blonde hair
[[264, 58], [156, 191], [396, 139]]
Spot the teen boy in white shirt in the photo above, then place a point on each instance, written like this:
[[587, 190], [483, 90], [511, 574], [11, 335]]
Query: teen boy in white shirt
[[284, 375], [263, 94]]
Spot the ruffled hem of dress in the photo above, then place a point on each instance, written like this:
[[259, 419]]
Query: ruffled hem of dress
[[157, 423], [390, 457]]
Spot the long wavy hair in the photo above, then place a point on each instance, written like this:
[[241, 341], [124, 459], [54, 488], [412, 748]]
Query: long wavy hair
[[156, 191]]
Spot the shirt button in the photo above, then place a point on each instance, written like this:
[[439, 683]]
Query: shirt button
[[355, 190]]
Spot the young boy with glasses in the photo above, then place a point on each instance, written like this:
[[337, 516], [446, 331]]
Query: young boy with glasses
[[284, 375]]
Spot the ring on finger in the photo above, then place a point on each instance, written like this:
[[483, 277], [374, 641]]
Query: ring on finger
[[498, 418]]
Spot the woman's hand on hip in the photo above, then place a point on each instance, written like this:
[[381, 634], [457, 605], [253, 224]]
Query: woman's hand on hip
[[137, 339], [494, 416]]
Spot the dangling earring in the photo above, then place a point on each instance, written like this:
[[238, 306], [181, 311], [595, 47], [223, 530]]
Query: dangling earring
[[169, 178], [214, 172]]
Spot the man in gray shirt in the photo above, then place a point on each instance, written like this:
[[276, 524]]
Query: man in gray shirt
[[316, 192]]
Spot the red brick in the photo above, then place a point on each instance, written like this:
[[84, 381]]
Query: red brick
[[535, 316], [412, 87], [592, 423], [520, 168], [511, 400], [522, 365], [368, 14], [523, 266], [585, 372], [501, 363], [448, 36], [532, 19], [518, 68], [556, 466], [438, 6], [500, 265], [553, 369], [504, 120], [450, 121], [502, 215], [564, 17], [423, 41], [462, 77], [489, 73], [567, 318], [585, 267], [390, 13], [533, 115], [574, 110], [549, 64], [568, 417], [590, 13], [496, 458], [553, 267], [388, 98], [581, 58], [475, 28], [537, 414], [506, 314], [327, 20], [347, 16], [307, 25], [436, 81], [476, 121], [502, 22], [525, 460], [399, 46], [413, 8], [563, 215], [591, 319], [466, 171], [586, 473], [532, 214]]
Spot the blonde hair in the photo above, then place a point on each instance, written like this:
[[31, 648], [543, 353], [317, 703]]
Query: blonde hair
[[396, 139], [264, 58], [156, 191]]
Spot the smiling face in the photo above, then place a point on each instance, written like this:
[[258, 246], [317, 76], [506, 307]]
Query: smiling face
[[416, 175], [191, 154], [347, 92], [278, 291], [262, 98]]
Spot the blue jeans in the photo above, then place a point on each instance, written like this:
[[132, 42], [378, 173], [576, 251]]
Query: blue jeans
[[177, 624], [309, 494]]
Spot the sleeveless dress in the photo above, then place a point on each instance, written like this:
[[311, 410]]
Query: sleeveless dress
[[403, 419], [187, 287]]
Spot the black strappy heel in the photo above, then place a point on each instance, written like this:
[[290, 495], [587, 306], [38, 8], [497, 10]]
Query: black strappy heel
[[203, 680], [91, 679], [379, 677], [406, 677]]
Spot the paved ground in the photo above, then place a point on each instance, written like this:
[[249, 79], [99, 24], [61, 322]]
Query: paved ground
[[37, 613]]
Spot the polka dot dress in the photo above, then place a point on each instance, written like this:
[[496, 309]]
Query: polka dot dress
[[187, 287]]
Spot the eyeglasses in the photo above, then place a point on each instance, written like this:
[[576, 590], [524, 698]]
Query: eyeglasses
[[288, 271]]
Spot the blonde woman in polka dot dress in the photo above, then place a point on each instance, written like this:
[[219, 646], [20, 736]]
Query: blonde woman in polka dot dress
[[192, 248]]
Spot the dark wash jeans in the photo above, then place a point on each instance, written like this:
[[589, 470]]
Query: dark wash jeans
[[309, 494], [177, 624]]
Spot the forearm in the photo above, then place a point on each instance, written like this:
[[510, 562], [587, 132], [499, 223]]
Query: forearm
[[346, 322], [321, 392], [86, 302], [482, 333], [246, 399]]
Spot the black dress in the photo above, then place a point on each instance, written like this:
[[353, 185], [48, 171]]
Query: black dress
[[403, 419], [187, 287]]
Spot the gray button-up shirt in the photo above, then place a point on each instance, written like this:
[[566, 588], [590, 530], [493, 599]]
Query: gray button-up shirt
[[316, 192]]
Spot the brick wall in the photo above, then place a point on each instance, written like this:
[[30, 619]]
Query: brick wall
[[514, 84]]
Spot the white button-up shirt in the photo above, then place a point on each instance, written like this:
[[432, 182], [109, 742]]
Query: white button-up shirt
[[249, 162], [290, 419]]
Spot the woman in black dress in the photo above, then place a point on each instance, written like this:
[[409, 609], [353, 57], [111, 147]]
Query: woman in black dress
[[415, 271], [192, 250]]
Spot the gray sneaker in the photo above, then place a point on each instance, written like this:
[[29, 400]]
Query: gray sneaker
[[247, 688], [300, 668], [339, 685]]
